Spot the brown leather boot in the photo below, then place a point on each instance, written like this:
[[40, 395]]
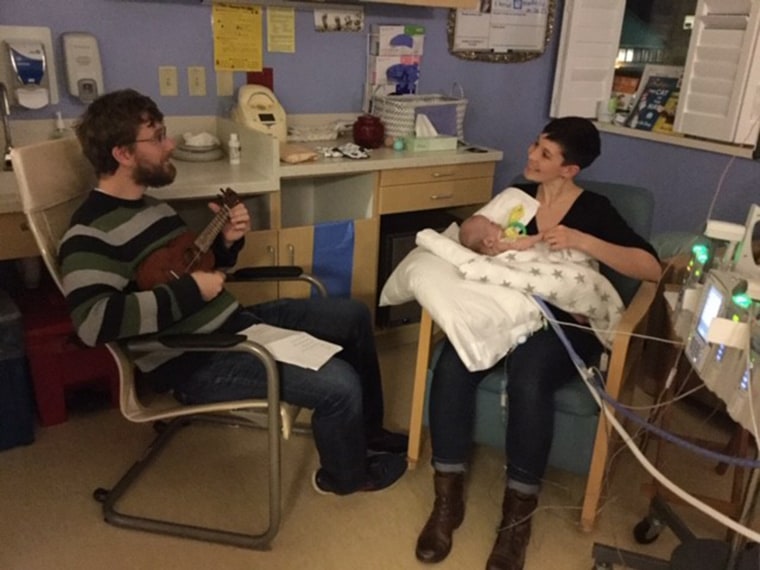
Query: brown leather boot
[[514, 532], [434, 542]]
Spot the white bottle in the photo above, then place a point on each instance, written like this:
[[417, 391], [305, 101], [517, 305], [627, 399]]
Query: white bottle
[[234, 148], [60, 127]]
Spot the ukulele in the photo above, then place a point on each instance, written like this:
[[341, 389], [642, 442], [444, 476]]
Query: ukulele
[[186, 252]]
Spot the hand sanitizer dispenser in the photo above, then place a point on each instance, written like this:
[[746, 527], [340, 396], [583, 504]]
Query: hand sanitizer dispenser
[[29, 64], [84, 73]]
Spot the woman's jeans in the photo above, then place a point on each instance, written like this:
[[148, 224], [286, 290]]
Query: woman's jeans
[[345, 394], [535, 370]]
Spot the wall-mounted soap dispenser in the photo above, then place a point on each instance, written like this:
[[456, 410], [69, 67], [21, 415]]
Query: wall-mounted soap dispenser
[[84, 73], [27, 66]]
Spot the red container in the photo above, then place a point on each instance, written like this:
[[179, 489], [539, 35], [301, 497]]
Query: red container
[[369, 132], [58, 361]]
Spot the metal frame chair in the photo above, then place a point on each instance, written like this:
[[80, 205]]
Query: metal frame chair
[[53, 178]]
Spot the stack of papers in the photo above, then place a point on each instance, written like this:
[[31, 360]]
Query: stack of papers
[[292, 347]]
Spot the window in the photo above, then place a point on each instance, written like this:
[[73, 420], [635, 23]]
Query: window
[[720, 90]]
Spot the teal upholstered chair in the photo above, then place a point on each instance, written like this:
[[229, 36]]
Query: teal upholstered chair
[[580, 442]]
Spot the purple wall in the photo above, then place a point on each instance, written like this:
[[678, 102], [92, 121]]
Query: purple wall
[[508, 103]]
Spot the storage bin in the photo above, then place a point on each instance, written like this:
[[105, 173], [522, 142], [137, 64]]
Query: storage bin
[[399, 112], [16, 404]]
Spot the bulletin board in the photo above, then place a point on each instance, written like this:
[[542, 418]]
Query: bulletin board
[[501, 31]]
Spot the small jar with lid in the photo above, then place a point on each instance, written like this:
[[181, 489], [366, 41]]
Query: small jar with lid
[[369, 131]]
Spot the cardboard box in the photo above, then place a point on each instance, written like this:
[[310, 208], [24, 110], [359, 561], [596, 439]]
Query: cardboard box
[[396, 40], [378, 66], [441, 142]]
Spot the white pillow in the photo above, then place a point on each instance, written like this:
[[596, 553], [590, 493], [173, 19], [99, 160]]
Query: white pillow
[[481, 320]]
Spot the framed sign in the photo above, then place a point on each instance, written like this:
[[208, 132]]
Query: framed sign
[[501, 31]]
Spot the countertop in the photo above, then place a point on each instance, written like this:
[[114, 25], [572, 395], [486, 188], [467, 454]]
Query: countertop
[[203, 179], [385, 159]]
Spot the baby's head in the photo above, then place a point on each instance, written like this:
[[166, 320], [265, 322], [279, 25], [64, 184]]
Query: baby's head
[[479, 233]]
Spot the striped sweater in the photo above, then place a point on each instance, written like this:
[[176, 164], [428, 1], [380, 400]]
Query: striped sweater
[[99, 255]]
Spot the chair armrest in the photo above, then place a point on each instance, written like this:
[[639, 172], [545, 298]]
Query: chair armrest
[[626, 348], [200, 341], [188, 341], [265, 273], [276, 273]]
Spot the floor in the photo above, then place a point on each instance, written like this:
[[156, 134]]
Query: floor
[[50, 521]]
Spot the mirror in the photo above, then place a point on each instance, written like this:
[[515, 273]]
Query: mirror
[[468, 32]]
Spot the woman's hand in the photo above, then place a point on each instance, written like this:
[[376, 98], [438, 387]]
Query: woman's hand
[[562, 237], [238, 225]]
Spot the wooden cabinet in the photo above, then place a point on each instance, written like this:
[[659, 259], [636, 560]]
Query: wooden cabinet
[[287, 221], [295, 246], [16, 237], [433, 187]]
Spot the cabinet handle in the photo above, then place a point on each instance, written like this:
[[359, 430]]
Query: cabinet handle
[[442, 196], [272, 253], [442, 174], [292, 253], [24, 226]]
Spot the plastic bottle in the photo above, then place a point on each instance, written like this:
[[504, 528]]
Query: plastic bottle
[[60, 127], [234, 146]]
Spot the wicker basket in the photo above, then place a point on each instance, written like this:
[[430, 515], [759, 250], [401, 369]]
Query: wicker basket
[[398, 111]]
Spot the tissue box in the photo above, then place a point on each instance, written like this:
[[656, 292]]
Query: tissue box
[[378, 65], [396, 40], [441, 142]]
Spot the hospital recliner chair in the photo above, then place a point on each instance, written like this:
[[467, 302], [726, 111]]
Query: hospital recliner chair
[[581, 441], [54, 177]]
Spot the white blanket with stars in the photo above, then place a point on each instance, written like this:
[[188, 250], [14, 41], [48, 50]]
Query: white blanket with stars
[[484, 304]]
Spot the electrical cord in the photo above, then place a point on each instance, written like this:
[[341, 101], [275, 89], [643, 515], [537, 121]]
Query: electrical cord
[[640, 457]]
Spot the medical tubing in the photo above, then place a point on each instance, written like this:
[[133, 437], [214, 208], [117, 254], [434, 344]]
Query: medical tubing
[[640, 457], [671, 437]]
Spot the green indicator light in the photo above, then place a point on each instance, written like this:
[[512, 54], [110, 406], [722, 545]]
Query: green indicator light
[[701, 253], [742, 300]]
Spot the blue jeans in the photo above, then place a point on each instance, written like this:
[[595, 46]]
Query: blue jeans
[[345, 394], [535, 370]]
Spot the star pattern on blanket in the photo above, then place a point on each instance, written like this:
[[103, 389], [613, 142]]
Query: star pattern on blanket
[[558, 274]]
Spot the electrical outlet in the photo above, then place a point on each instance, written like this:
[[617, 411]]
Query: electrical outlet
[[196, 80], [167, 81]]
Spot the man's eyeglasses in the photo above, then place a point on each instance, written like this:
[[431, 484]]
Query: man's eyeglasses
[[159, 136]]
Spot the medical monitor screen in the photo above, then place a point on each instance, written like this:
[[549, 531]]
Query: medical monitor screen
[[266, 117], [712, 305]]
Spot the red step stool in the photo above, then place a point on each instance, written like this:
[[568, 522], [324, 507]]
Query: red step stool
[[57, 359]]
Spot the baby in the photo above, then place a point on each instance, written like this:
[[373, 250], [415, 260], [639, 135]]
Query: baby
[[481, 235]]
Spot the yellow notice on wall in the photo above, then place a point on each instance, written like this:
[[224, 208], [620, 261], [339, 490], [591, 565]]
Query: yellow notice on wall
[[281, 30], [237, 38]]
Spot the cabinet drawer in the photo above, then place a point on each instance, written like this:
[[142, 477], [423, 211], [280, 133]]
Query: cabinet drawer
[[432, 195], [441, 173], [16, 237]]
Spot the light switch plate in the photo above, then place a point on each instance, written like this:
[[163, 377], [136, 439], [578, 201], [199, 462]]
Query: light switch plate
[[167, 81], [196, 80], [224, 83]]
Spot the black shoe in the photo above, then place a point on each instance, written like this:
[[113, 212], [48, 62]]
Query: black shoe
[[385, 441], [383, 471]]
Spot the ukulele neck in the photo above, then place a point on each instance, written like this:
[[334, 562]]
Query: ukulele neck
[[227, 200], [208, 235]]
